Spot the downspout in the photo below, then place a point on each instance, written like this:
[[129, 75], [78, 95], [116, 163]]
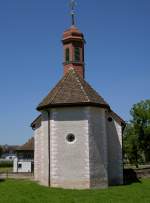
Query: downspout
[[123, 128], [49, 181]]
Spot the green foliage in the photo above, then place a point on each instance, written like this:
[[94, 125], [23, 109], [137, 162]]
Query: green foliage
[[6, 169], [137, 134], [23, 191], [131, 146], [1, 151], [141, 120], [6, 164]]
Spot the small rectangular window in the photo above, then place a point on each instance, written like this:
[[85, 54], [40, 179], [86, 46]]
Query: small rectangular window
[[19, 165], [67, 55], [77, 54]]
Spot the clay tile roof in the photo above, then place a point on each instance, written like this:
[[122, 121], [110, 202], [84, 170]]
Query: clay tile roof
[[118, 118], [72, 90], [28, 146]]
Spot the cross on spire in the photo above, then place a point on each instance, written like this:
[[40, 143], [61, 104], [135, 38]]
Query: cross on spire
[[72, 12]]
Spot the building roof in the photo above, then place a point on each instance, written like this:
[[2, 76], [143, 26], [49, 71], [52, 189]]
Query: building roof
[[72, 90], [28, 146], [72, 34], [118, 118]]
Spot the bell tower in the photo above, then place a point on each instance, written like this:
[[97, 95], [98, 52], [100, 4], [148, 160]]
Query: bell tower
[[73, 44]]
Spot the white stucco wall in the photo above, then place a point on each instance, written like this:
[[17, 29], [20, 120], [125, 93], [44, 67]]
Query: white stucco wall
[[69, 161], [115, 163], [37, 153], [97, 147], [41, 160], [25, 166], [94, 157], [44, 149]]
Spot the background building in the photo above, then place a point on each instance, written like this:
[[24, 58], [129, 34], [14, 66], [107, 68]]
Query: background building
[[24, 163]]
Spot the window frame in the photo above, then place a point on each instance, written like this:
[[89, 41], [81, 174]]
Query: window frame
[[77, 54], [70, 141], [67, 55], [19, 165]]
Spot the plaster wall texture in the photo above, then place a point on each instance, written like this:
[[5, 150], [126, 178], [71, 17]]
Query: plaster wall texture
[[25, 166], [97, 147], [115, 163], [69, 161], [37, 154], [41, 160], [44, 150], [93, 160]]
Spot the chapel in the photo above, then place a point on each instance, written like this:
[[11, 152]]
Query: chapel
[[77, 136]]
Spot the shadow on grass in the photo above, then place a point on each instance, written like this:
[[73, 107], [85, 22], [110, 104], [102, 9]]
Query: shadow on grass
[[130, 177]]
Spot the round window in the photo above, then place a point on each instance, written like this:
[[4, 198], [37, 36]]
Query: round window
[[70, 137], [110, 119]]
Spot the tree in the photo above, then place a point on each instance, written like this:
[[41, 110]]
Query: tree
[[1, 151], [137, 134], [131, 150], [140, 113]]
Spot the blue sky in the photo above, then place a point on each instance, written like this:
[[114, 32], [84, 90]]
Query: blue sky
[[117, 55]]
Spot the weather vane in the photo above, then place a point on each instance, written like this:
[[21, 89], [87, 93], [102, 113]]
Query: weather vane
[[72, 7]]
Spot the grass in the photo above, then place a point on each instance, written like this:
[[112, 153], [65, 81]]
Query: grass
[[23, 191]]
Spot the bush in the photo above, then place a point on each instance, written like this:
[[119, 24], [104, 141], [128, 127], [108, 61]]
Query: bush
[[6, 164]]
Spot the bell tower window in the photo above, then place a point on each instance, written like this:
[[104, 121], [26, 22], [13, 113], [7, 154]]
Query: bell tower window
[[77, 54], [67, 55]]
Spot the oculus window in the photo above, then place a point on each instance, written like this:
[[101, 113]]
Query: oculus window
[[110, 119], [70, 137]]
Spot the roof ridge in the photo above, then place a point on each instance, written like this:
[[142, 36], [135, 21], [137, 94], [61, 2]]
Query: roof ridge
[[93, 90], [82, 88], [65, 78]]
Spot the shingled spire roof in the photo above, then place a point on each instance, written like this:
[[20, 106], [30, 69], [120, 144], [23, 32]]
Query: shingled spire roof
[[72, 90]]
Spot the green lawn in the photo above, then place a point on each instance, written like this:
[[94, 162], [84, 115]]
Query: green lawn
[[22, 191]]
